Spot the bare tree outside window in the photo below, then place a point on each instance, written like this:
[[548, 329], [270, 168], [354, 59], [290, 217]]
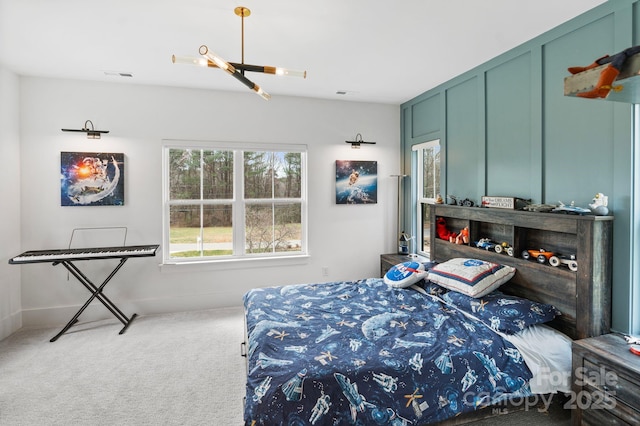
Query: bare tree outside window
[[208, 198], [428, 188], [275, 226]]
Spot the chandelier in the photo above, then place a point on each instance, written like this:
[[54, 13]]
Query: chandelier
[[237, 70]]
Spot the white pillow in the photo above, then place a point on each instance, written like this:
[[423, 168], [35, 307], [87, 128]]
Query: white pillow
[[404, 274], [472, 277], [547, 353]]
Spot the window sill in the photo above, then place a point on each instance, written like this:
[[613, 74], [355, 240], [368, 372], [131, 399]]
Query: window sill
[[229, 264]]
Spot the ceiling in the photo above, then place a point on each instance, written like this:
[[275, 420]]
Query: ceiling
[[374, 50]]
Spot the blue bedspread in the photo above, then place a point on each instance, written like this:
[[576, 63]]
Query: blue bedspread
[[365, 353]]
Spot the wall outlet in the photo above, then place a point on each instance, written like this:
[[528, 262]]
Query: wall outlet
[[325, 271]]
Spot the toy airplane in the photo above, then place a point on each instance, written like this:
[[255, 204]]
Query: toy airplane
[[632, 340]]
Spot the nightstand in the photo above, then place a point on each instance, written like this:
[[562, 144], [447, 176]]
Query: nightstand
[[387, 261], [605, 382]]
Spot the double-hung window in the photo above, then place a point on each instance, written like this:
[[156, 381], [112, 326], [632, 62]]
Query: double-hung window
[[223, 202], [428, 188]]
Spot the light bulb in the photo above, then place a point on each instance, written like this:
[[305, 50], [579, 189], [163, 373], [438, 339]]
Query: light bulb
[[202, 62], [221, 63], [280, 71], [290, 73], [261, 92]]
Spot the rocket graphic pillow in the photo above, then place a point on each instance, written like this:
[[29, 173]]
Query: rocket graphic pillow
[[404, 274], [472, 277]]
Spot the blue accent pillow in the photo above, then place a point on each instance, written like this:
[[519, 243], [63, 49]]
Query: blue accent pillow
[[404, 274], [502, 312]]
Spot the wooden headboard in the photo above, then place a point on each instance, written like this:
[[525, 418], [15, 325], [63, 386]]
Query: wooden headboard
[[583, 297]]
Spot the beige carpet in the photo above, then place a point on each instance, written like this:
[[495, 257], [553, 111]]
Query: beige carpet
[[176, 369]]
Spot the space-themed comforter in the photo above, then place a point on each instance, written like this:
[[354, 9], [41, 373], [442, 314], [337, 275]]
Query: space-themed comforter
[[365, 353]]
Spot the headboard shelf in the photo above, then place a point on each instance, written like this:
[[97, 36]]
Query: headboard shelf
[[583, 296]]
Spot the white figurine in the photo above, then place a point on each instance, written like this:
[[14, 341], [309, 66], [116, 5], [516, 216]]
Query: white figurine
[[599, 204]]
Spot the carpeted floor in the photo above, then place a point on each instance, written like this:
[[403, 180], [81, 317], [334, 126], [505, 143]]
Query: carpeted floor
[[173, 369], [177, 369]]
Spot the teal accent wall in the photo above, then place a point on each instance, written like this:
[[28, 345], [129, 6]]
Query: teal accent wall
[[506, 128], [463, 141]]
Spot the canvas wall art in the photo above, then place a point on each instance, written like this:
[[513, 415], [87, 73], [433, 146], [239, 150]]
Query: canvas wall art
[[356, 182], [91, 179]]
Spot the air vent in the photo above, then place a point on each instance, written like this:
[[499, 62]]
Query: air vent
[[118, 74]]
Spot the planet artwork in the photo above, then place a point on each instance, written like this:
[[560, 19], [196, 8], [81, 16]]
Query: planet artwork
[[356, 182], [91, 179]]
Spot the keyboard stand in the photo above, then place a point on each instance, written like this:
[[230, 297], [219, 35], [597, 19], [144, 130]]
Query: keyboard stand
[[96, 293]]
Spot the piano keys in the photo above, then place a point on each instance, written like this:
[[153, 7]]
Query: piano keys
[[57, 255], [67, 257]]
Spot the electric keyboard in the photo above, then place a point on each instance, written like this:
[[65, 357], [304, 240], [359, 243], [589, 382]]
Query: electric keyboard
[[66, 257], [40, 256]]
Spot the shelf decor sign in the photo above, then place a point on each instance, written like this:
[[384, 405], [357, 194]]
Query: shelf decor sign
[[499, 202], [91, 179]]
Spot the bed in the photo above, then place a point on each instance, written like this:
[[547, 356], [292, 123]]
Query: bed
[[378, 351]]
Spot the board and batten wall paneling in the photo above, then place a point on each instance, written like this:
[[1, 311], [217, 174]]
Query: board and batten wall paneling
[[578, 148], [508, 127], [585, 152], [463, 140], [426, 117]]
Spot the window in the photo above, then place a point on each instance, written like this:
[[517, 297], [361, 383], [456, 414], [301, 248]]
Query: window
[[222, 202], [428, 188]]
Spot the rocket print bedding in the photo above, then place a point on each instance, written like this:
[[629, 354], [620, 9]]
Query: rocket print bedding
[[364, 352]]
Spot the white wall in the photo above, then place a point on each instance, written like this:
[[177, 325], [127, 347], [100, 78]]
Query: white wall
[[10, 317], [346, 239]]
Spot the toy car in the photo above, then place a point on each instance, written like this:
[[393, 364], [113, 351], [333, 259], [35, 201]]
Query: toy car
[[486, 243], [504, 247], [569, 260], [542, 256], [554, 259]]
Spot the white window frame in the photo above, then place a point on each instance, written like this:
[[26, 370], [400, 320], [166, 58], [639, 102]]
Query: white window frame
[[420, 198], [634, 273], [238, 202]]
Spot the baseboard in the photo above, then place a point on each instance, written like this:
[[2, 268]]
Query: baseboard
[[60, 315], [10, 324]]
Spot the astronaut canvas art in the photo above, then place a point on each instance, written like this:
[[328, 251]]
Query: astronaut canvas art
[[356, 182], [91, 179]]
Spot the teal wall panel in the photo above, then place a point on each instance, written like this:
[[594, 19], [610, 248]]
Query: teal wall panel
[[508, 128], [587, 145], [462, 142], [578, 154], [426, 117], [635, 32]]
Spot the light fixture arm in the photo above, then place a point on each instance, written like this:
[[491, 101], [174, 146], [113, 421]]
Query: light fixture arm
[[91, 132], [356, 143], [221, 63], [251, 85], [242, 11], [265, 69]]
